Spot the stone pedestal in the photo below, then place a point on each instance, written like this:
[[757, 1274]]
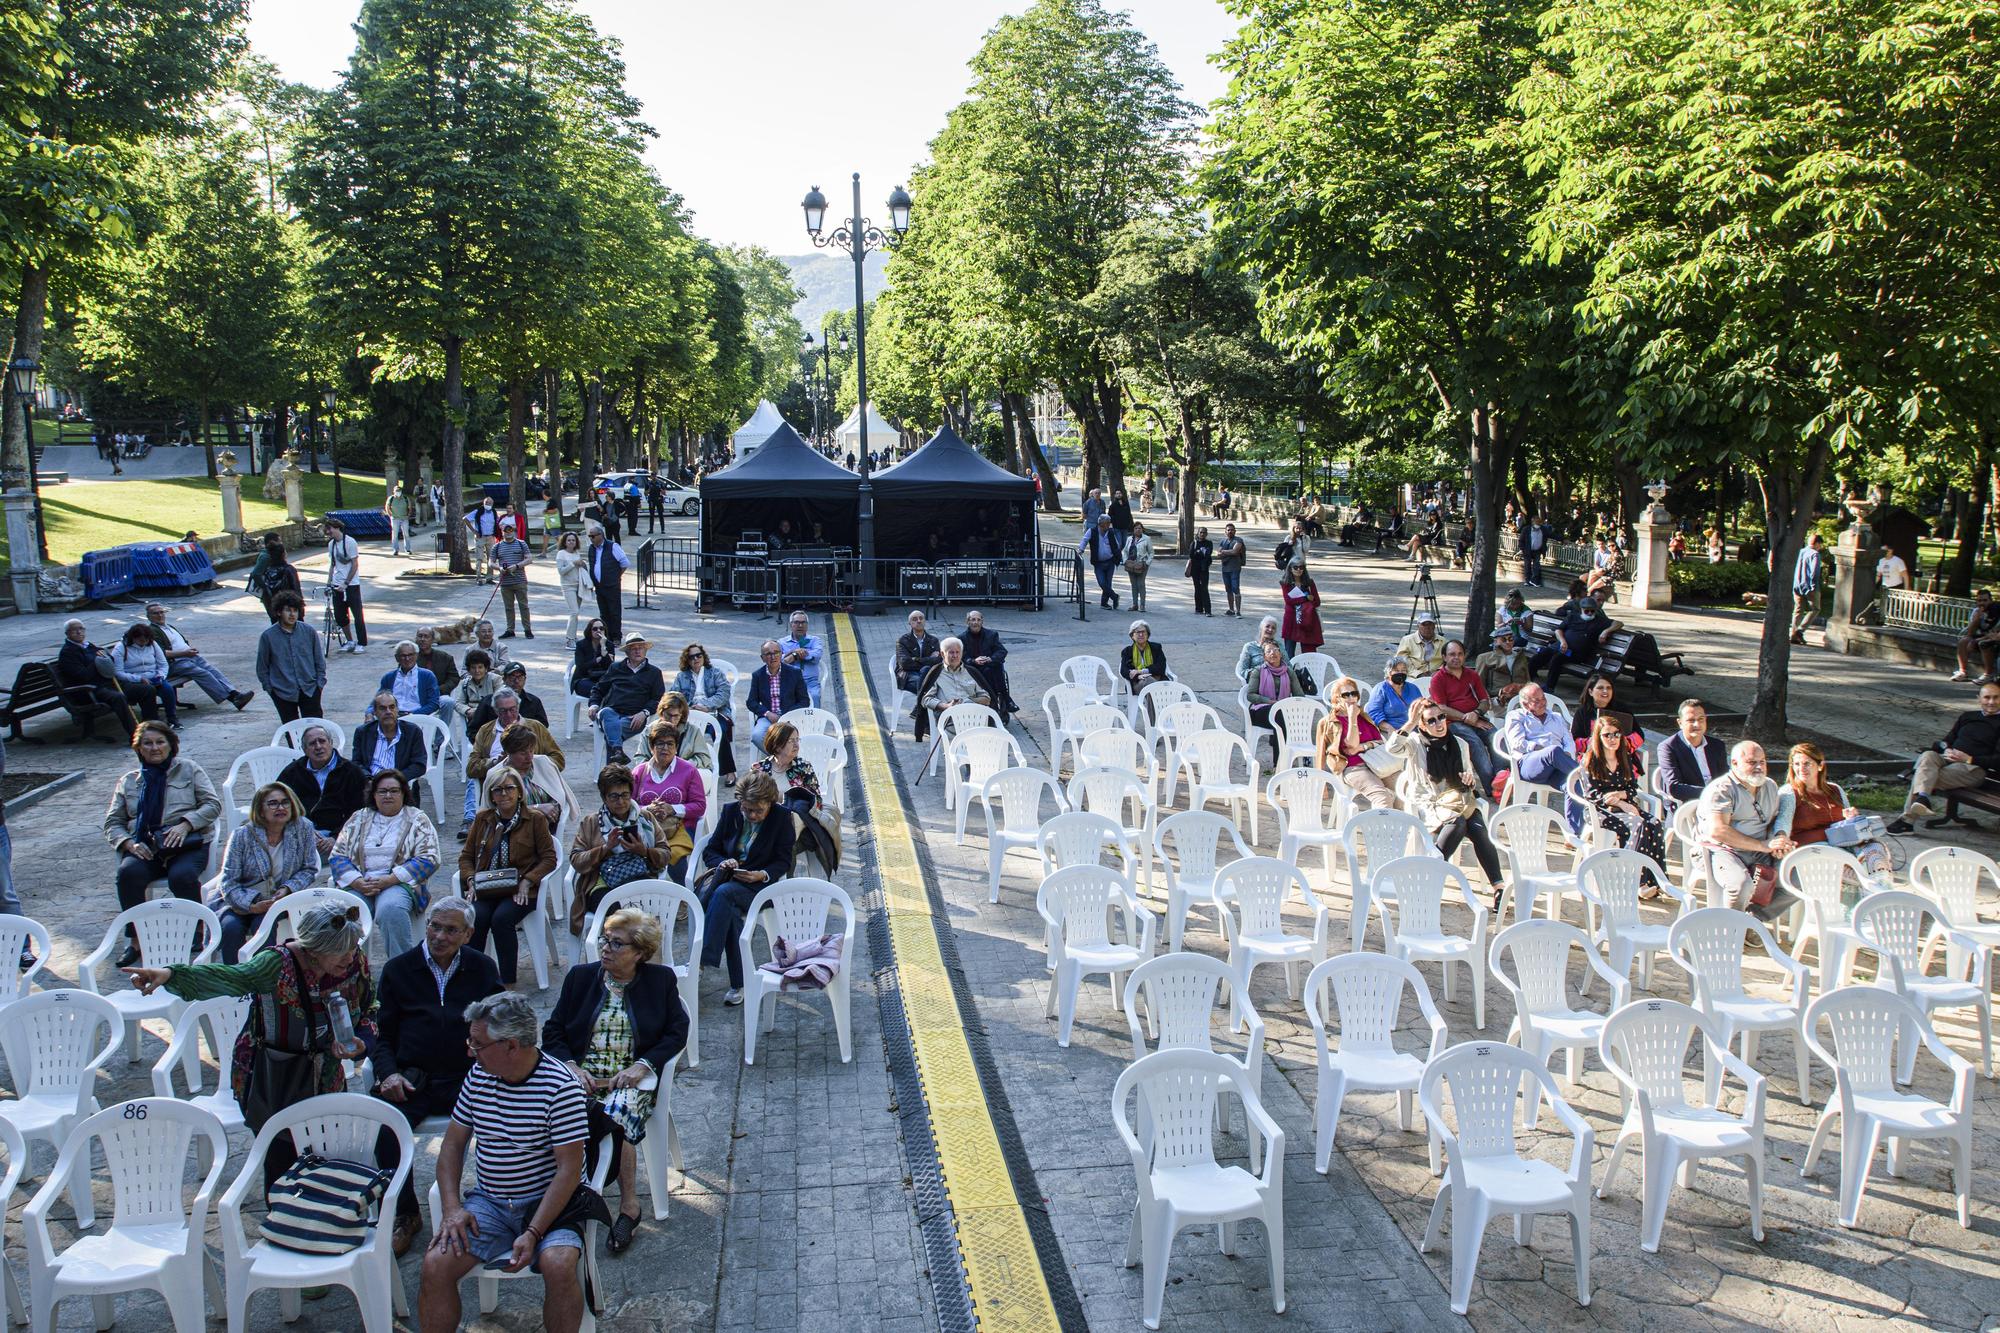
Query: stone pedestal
[[391, 476], [232, 494], [1652, 590], [24, 548], [1854, 584], [294, 483], [426, 478]]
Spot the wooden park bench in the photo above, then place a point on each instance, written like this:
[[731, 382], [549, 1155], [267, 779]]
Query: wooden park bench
[[36, 691], [1631, 653], [1985, 797]]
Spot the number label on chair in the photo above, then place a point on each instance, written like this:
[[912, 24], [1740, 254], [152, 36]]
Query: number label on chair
[[134, 1111], [1653, 1006], [1482, 1050]]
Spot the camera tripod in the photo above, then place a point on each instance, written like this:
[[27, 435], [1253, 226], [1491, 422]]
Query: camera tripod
[[1423, 595]]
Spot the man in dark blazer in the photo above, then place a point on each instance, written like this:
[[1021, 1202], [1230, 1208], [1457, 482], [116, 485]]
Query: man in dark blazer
[[766, 704], [389, 742], [419, 1057], [988, 656], [1690, 759], [916, 653], [327, 783], [608, 563], [1104, 547]]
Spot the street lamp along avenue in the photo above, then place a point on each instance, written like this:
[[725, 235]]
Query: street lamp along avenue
[[332, 401], [21, 374], [822, 431], [859, 236]]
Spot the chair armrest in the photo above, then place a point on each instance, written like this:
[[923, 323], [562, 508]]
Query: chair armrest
[[1578, 1127], [86, 969], [176, 1053]]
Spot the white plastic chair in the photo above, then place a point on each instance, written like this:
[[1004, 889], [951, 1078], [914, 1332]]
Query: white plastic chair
[[16, 1149], [1368, 1000], [828, 758], [816, 722], [1683, 830], [1819, 874], [18, 933], [1867, 1023], [666, 900], [1645, 1047], [342, 1126], [1076, 905], [1126, 801], [291, 734], [1171, 730], [154, 1242], [1295, 722], [1252, 733], [971, 758], [167, 929], [1079, 838], [1146, 704], [1948, 876], [1058, 702], [1707, 944], [1181, 990], [1310, 806], [1368, 840], [1016, 795], [1545, 1018], [1195, 838], [221, 1020], [894, 692], [261, 766], [1898, 927], [958, 718], [796, 909], [1180, 1183], [1320, 668], [576, 708], [437, 740], [1610, 883], [1529, 835], [1082, 720], [1124, 749], [1519, 790], [1209, 760], [55, 1043], [1093, 673], [1255, 889], [1486, 1174], [281, 923], [1411, 893]]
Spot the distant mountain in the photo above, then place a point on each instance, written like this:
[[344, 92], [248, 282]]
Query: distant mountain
[[827, 279]]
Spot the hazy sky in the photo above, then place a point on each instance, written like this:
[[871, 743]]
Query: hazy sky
[[755, 100]]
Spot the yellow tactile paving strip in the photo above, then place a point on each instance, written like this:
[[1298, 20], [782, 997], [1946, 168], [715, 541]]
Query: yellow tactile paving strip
[[1002, 1269]]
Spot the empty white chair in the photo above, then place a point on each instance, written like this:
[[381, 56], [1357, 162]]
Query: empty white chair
[[281, 923], [220, 1020], [1684, 831], [1171, 730], [1371, 839], [1180, 1182], [1084, 719], [1485, 1173], [1016, 794], [1867, 1023], [18, 935], [1195, 839], [1077, 906], [1126, 801], [1079, 838], [1058, 702], [254, 769], [55, 1043], [1707, 944], [974, 756], [1645, 1047], [154, 1242], [1322, 669], [797, 910], [1529, 836], [955, 719], [666, 900], [1209, 759], [1254, 890], [16, 1149], [1093, 673], [828, 758], [1610, 882], [816, 722], [168, 930], [342, 1126], [1545, 1018], [1948, 876], [1181, 990], [1146, 705], [1897, 926], [1410, 891], [437, 740], [1368, 1001], [1124, 749], [291, 734], [1828, 881], [1310, 806], [1295, 723]]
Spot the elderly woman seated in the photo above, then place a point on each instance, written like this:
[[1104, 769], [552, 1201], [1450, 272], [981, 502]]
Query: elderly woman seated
[[1253, 651], [509, 851], [620, 1022], [692, 742], [751, 847], [796, 780], [622, 842], [1142, 662], [276, 853], [1266, 683], [952, 681], [386, 853], [541, 782], [667, 785]]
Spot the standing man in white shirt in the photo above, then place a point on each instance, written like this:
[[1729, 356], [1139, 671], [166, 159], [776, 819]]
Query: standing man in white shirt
[[343, 578]]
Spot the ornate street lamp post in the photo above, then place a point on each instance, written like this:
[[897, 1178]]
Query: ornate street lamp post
[[332, 403], [859, 236], [28, 535]]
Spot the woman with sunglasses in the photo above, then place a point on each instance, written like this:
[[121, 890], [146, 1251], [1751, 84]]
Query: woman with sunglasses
[[704, 688], [1442, 787], [1343, 734], [1611, 785]]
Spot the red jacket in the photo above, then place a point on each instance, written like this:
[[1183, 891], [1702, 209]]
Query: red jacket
[[1301, 623]]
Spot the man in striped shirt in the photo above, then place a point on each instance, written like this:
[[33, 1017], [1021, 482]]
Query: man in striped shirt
[[526, 1115]]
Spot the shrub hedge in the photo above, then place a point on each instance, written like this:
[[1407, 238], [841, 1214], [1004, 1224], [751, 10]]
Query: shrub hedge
[[1699, 581]]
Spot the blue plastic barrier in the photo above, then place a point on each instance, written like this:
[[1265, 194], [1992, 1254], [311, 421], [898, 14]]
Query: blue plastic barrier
[[170, 565], [107, 573], [362, 523], [497, 491]]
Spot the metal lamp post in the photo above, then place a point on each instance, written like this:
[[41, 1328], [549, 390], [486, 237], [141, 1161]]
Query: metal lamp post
[[822, 396], [331, 401], [859, 236], [28, 540], [1301, 423]]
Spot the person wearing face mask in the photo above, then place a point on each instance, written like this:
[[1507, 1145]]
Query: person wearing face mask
[[1389, 703], [1575, 641], [1690, 759]]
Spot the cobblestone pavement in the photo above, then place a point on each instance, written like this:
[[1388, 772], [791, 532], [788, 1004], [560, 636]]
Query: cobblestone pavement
[[793, 1215]]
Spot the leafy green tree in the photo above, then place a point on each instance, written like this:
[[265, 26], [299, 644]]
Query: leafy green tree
[[768, 298]]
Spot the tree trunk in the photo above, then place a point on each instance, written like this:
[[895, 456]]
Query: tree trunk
[[1631, 495], [29, 320], [551, 445], [1971, 506], [201, 424], [1010, 441], [454, 452], [1190, 478], [586, 440], [1489, 452], [1031, 454], [1521, 479], [515, 465], [1788, 508]]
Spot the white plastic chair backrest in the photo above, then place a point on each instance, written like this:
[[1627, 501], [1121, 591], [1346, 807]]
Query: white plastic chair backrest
[[1687, 828], [434, 731], [1087, 718], [1367, 997], [816, 722], [1612, 877], [1015, 794], [827, 755], [1320, 668], [1708, 943], [1948, 875], [1650, 1040], [1306, 797], [1213, 755], [1556, 706], [1539, 951], [1092, 673], [340, 1125], [1295, 719], [801, 908], [661, 898], [1484, 1078], [146, 1144], [221, 1018], [978, 754], [1078, 901], [16, 1149], [1177, 1091], [965, 716], [262, 765], [17, 933], [281, 923], [167, 929], [1894, 923], [1196, 837], [1416, 885], [729, 671], [51, 1039], [710, 725], [1163, 694], [1528, 833], [1077, 838], [1059, 701], [1180, 990], [1119, 748], [1260, 885], [288, 734], [1112, 792], [1866, 1022], [1816, 872], [1177, 721], [1377, 837]]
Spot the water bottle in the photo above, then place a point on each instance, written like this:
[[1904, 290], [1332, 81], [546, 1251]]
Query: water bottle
[[342, 1021]]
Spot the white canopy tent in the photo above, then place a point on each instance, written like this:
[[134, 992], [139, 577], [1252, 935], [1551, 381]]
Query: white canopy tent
[[881, 435], [759, 428]]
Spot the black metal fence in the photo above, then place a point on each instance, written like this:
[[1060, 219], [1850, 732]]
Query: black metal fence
[[839, 578]]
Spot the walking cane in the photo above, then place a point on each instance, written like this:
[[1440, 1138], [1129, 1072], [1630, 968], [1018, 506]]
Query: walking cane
[[925, 767]]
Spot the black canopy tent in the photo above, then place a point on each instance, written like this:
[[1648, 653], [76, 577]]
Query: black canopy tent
[[785, 480], [946, 501]]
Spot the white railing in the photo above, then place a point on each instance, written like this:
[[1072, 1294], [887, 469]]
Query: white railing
[[1903, 609]]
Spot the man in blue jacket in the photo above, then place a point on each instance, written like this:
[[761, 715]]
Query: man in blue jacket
[[804, 650], [771, 699], [390, 742], [1104, 547], [415, 687]]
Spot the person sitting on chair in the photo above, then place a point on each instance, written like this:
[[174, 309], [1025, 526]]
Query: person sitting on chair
[[989, 657], [917, 652], [1690, 759], [1423, 647], [329, 784], [1268, 682], [1969, 752], [414, 685], [1142, 662], [514, 676], [390, 743], [512, 844], [265, 859], [184, 662], [1748, 830], [83, 671], [952, 681], [776, 688], [751, 847]]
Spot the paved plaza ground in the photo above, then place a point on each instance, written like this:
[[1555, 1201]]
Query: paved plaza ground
[[798, 1210]]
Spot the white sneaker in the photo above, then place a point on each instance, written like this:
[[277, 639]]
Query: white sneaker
[[1960, 675], [732, 997]]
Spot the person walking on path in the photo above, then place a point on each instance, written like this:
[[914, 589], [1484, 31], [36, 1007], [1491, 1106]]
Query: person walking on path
[[1807, 575], [272, 574], [607, 565], [1230, 553], [291, 663], [1138, 560], [343, 580], [1200, 556], [397, 507], [1103, 547], [510, 557]]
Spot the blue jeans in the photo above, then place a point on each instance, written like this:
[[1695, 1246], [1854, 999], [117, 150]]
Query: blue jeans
[[1232, 583], [502, 1221], [395, 911], [1107, 589], [196, 668], [1551, 768], [235, 930], [723, 927], [613, 725], [10, 901], [1482, 754]]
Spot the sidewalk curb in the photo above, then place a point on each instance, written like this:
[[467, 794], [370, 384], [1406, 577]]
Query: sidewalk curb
[[28, 799]]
